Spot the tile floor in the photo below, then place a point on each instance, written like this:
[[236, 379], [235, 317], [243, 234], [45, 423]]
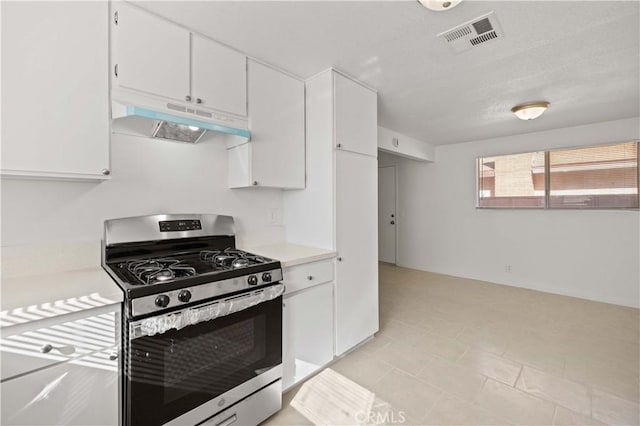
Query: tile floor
[[454, 351]]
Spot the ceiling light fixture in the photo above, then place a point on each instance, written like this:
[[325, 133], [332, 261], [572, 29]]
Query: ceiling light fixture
[[530, 111], [439, 6]]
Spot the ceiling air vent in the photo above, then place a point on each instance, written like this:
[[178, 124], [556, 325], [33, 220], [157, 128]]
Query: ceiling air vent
[[473, 33]]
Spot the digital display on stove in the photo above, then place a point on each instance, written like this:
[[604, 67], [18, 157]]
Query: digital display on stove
[[179, 225]]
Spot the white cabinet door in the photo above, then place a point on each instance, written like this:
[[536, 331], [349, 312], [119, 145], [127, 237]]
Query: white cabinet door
[[288, 345], [79, 392], [275, 156], [307, 332], [55, 89], [218, 76], [151, 54], [356, 116], [357, 247], [276, 121]]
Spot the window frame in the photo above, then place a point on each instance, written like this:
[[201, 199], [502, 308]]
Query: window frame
[[547, 180]]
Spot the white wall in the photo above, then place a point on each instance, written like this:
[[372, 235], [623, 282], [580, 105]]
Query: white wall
[[588, 254], [408, 147], [148, 177]]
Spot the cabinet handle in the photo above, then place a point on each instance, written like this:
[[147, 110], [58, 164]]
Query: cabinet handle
[[339, 145], [106, 172], [198, 100], [64, 350], [310, 277], [255, 183], [339, 259], [115, 70], [115, 18], [187, 98], [113, 356]]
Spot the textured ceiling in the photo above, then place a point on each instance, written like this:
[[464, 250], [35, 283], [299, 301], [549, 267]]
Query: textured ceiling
[[581, 56]]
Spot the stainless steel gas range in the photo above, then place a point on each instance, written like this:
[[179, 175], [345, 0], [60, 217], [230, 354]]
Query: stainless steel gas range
[[202, 322]]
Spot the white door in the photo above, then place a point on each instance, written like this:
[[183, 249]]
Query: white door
[[276, 120], [307, 332], [219, 76], [356, 112], [357, 246], [387, 214], [152, 55]]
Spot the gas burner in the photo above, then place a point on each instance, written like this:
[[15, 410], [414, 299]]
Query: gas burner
[[231, 258], [239, 263], [153, 271]]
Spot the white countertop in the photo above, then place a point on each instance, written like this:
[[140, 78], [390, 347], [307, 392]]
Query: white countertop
[[291, 254], [88, 287]]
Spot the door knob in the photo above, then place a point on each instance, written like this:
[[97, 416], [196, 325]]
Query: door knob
[[393, 222]]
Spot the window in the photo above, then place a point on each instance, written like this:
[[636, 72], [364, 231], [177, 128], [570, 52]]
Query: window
[[589, 177], [512, 181]]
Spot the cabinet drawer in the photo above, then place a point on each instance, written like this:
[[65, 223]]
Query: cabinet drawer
[[252, 410], [49, 342], [299, 277]]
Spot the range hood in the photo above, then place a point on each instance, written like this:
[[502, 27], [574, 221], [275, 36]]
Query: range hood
[[139, 115]]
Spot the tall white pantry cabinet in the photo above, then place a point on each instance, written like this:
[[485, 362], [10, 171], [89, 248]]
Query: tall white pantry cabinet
[[338, 209]]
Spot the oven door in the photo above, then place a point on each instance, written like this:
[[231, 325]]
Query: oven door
[[219, 361]]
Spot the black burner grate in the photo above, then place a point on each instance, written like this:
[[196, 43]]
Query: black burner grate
[[153, 271], [231, 258]]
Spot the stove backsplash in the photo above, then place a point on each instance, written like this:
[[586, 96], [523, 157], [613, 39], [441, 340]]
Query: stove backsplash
[[60, 223]]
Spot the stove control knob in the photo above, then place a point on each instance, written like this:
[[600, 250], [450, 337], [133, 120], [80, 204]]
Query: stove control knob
[[252, 280], [184, 296], [162, 301], [266, 277]]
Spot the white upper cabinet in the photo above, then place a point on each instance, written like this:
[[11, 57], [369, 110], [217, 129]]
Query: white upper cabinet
[[157, 57], [275, 157], [55, 90], [218, 76], [151, 54], [356, 116]]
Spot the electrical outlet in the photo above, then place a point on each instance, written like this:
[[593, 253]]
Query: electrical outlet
[[273, 216], [507, 268]]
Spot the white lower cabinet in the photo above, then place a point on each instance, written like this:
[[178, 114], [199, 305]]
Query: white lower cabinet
[[307, 332], [61, 370], [78, 392]]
